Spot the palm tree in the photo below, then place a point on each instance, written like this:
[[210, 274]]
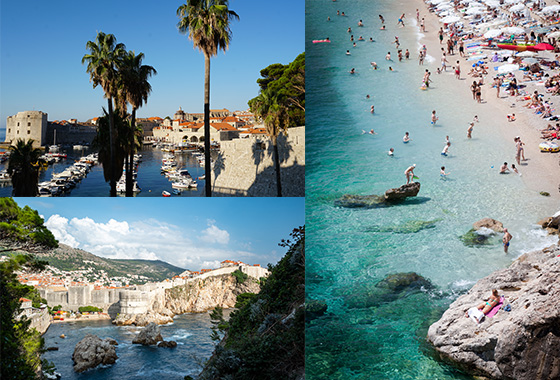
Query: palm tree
[[274, 113], [23, 167], [207, 24], [136, 89], [103, 60]]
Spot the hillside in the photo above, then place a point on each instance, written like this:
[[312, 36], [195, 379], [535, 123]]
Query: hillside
[[67, 258]]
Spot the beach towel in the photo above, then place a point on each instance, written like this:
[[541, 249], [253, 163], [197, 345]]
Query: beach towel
[[495, 309], [475, 314]]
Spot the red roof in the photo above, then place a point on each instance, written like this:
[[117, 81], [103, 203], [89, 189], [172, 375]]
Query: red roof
[[223, 127], [24, 300]]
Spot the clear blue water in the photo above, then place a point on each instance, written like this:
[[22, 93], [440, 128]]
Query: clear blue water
[[150, 179], [136, 362], [347, 250]]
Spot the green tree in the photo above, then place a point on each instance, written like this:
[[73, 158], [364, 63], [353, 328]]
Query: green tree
[[280, 103], [21, 347], [112, 145], [207, 23], [136, 88], [23, 167], [102, 65]]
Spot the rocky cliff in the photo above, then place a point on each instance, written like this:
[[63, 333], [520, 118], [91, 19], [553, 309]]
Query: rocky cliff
[[197, 296], [523, 343], [205, 294]]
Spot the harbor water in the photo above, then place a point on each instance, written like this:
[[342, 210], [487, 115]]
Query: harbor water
[[135, 362], [150, 179], [366, 334]]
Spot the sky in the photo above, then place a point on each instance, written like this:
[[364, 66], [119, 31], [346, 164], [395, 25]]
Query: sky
[[42, 44], [192, 234]]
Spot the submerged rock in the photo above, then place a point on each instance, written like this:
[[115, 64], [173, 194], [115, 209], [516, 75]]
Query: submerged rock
[[522, 344], [483, 233], [411, 226], [91, 351], [149, 335], [401, 281], [389, 289], [314, 309], [371, 201]]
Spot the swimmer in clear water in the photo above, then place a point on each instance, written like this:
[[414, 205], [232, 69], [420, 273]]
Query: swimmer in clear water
[[442, 173], [328, 18], [349, 30], [406, 138], [388, 56], [353, 71], [382, 19], [504, 168], [390, 68], [470, 129], [372, 110], [434, 117], [391, 152], [347, 52], [445, 150], [367, 96], [360, 23], [372, 132], [475, 119], [407, 54], [370, 39], [354, 44], [382, 28], [361, 38], [374, 65]]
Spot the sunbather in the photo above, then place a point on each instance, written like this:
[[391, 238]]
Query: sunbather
[[486, 306]]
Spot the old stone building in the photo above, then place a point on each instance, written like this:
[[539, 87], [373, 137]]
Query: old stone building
[[27, 125]]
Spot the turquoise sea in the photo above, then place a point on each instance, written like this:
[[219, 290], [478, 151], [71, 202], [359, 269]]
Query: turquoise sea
[[367, 332]]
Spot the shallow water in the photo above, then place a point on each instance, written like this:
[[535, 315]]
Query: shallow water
[[136, 362], [350, 250]]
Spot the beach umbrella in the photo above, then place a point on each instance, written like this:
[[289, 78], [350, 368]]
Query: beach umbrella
[[492, 33], [437, 1], [507, 68], [543, 46], [530, 61], [450, 19], [513, 30], [475, 11], [513, 1], [493, 3], [551, 9], [526, 53], [554, 34], [445, 6], [517, 8]]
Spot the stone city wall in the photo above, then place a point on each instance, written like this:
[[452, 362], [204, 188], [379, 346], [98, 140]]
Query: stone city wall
[[41, 321], [246, 166]]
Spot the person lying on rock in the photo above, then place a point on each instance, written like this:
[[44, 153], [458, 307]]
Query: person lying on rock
[[486, 306]]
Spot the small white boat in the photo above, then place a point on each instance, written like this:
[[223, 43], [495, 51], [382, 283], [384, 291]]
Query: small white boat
[[5, 177], [121, 187], [166, 193]]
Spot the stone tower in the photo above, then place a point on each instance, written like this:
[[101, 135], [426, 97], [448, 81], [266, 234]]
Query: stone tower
[[27, 125]]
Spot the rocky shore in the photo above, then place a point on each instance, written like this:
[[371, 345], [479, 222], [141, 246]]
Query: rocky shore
[[522, 344]]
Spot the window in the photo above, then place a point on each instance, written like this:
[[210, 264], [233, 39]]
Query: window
[[29, 124], [9, 130], [28, 132], [17, 132], [18, 124]]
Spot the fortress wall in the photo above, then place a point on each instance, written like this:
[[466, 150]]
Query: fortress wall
[[246, 166]]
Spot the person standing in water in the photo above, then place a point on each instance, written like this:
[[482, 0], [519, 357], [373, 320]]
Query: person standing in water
[[470, 129], [406, 138], [434, 117], [506, 239]]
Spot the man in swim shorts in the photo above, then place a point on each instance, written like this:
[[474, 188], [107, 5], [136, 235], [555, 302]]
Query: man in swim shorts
[[445, 150], [409, 173], [506, 239], [504, 168]]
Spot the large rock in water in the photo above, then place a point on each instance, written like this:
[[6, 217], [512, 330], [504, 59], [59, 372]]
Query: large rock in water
[[372, 201], [91, 351], [523, 344], [489, 223], [149, 335], [405, 191], [142, 319]]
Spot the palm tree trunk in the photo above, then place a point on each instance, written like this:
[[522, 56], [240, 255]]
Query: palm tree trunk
[[276, 164], [113, 183], [130, 158], [207, 168]]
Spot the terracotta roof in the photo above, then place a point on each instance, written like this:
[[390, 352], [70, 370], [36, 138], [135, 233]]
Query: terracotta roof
[[223, 127], [24, 300], [230, 119]]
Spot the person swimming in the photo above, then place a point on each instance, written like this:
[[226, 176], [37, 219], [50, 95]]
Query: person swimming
[[347, 52], [353, 71], [391, 152], [372, 110], [374, 65], [406, 138], [442, 173], [388, 56]]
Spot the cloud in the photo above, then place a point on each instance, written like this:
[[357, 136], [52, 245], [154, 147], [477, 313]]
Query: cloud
[[151, 240], [214, 235]]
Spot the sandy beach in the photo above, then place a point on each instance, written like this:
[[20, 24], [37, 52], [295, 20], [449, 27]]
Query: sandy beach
[[541, 171]]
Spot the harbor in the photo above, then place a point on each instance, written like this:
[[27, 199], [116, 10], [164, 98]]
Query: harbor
[[161, 170]]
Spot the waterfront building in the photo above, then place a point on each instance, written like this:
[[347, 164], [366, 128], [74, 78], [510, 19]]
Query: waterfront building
[[27, 125]]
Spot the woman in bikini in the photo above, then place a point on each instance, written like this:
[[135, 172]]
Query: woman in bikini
[[492, 301]]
